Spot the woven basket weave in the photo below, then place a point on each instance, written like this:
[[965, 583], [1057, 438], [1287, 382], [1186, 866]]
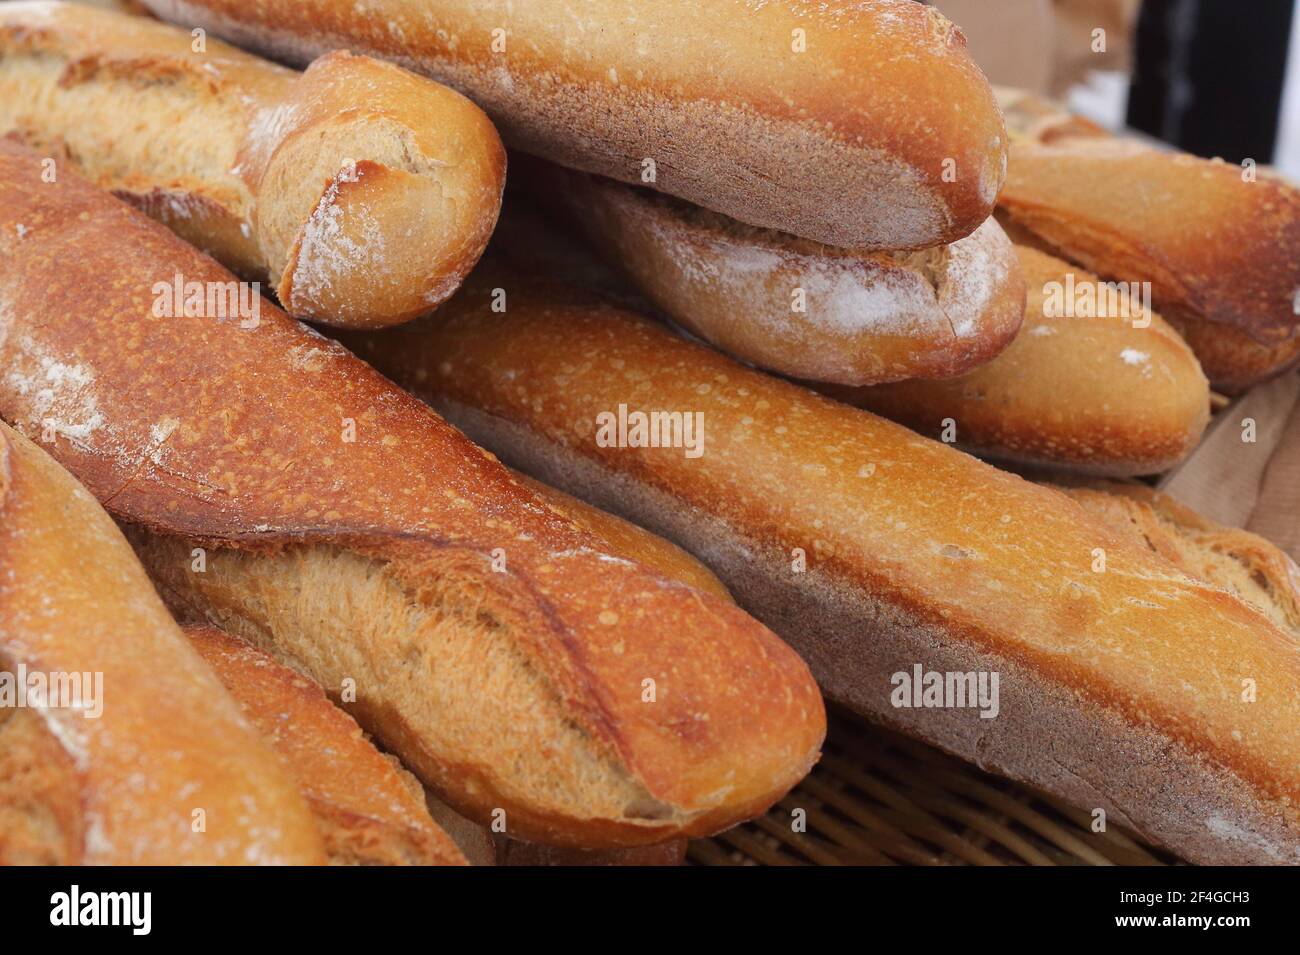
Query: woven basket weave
[[877, 798]]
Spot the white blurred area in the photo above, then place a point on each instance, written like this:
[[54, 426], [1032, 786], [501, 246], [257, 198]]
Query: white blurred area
[[1287, 157], [1101, 96]]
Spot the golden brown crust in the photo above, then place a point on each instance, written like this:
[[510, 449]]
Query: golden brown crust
[[370, 811], [790, 305], [167, 772], [1232, 360], [625, 539], [1029, 116], [911, 548], [1228, 256], [847, 142], [1096, 394], [41, 820], [238, 438], [1242, 563], [362, 192]]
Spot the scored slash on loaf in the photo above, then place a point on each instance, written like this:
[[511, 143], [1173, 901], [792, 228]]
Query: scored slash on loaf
[[369, 810]]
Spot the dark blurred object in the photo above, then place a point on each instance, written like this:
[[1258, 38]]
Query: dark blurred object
[[1209, 75]]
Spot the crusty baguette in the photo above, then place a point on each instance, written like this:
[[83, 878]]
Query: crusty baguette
[[1099, 394], [1231, 360], [493, 644], [362, 192], [881, 134], [1221, 251], [155, 766], [1242, 563], [874, 550], [370, 811], [790, 305]]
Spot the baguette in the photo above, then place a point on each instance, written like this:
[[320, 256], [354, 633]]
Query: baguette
[[874, 550], [496, 647], [881, 134], [152, 764], [1098, 394], [369, 810], [797, 307], [361, 192], [1242, 563], [1220, 249]]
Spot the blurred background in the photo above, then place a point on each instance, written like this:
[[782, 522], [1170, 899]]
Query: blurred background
[[1213, 77]]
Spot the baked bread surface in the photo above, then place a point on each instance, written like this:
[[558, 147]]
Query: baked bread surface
[[159, 768], [1244, 564], [493, 643], [1118, 394], [789, 305], [369, 809], [1120, 689], [360, 192], [1221, 249], [880, 132]]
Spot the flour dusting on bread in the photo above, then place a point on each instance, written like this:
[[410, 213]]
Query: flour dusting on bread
[[328, 248], [62, 394]]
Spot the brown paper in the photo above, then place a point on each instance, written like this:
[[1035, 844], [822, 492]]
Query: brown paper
[[1250, 484], [1010, 40], [1076, 21], [1044, 46]]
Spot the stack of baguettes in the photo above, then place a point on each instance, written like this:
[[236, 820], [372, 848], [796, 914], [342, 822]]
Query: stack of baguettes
[[805, 187]]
